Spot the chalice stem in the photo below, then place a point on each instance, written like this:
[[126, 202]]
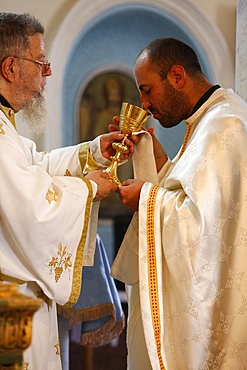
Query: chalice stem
[[122, 143], [112, 168]]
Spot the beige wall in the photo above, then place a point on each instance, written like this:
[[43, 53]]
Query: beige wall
[[52, 13], [223, 14]]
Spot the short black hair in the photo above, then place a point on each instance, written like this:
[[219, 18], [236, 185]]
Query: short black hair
[[163, 53]]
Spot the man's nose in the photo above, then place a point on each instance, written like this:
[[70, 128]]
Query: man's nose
[[48, 72], [146, 104]]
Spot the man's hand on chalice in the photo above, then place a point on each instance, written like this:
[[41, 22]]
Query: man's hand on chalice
[[113, 127], [104, 185], [129, 193], [107, 140]]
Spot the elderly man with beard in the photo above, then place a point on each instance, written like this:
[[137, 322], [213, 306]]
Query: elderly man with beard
[[48, 201], [184, 255]]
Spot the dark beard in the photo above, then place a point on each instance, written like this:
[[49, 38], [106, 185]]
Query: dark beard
[[35, 113], [176, 106]]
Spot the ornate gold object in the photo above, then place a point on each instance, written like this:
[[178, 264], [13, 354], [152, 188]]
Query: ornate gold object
[[132, 119], [16, 312]]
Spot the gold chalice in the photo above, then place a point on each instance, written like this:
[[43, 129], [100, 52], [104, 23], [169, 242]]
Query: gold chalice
[[132, 119]]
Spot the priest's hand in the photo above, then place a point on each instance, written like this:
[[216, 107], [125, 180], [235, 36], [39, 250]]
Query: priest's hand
[[129, 193], [106, 148], [115, 135], [104, 185]]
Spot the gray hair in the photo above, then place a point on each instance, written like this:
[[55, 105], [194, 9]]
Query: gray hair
[[15, 30]]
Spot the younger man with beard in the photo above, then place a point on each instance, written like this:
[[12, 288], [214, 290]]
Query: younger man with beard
[[48, 201], [184, 255]]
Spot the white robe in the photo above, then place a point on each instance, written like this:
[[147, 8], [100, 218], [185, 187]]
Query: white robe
[[187, 248], [48, 227]]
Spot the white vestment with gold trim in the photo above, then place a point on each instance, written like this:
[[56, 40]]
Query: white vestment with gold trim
[[187, 248], [48, 227]]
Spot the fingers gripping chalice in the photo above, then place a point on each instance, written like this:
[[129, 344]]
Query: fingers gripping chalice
[[132, 119]]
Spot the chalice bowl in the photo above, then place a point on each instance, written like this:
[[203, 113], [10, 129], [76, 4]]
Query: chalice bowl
[[132, 119]]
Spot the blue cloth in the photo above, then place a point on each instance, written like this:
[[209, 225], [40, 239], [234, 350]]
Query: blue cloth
[[98, 308]]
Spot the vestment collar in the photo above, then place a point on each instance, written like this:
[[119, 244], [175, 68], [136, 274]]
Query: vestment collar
[[205, 98], [7, 110]]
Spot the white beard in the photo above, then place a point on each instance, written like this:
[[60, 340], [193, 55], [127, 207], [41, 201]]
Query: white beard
[[35, 113]]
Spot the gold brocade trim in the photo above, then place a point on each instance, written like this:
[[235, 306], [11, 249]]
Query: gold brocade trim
[[11, 279], [87, 162], [25, 365], [57, 347], [76, 286], [101, 335], [2, 132], [76, 316], [9, 113], [152, 270], [186, 138]]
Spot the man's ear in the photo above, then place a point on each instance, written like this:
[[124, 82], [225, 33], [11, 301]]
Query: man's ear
[[177, 76], [9, 68]]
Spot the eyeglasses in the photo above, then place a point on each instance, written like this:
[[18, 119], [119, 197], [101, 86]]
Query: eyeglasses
[[45, 66]]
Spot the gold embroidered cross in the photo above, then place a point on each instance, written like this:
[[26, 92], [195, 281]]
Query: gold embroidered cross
[[57, 346], [2, 132], [51, 196]]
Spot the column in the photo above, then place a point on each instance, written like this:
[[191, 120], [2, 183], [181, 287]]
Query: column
[[241, 49]]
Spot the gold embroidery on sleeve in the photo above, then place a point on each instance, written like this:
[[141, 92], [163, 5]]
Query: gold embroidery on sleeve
[[25, 365], [61, 263], [2, 132], [87, 161], [76, 286], [9, 113], [57, 346], [186, 139], [51, 196]]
